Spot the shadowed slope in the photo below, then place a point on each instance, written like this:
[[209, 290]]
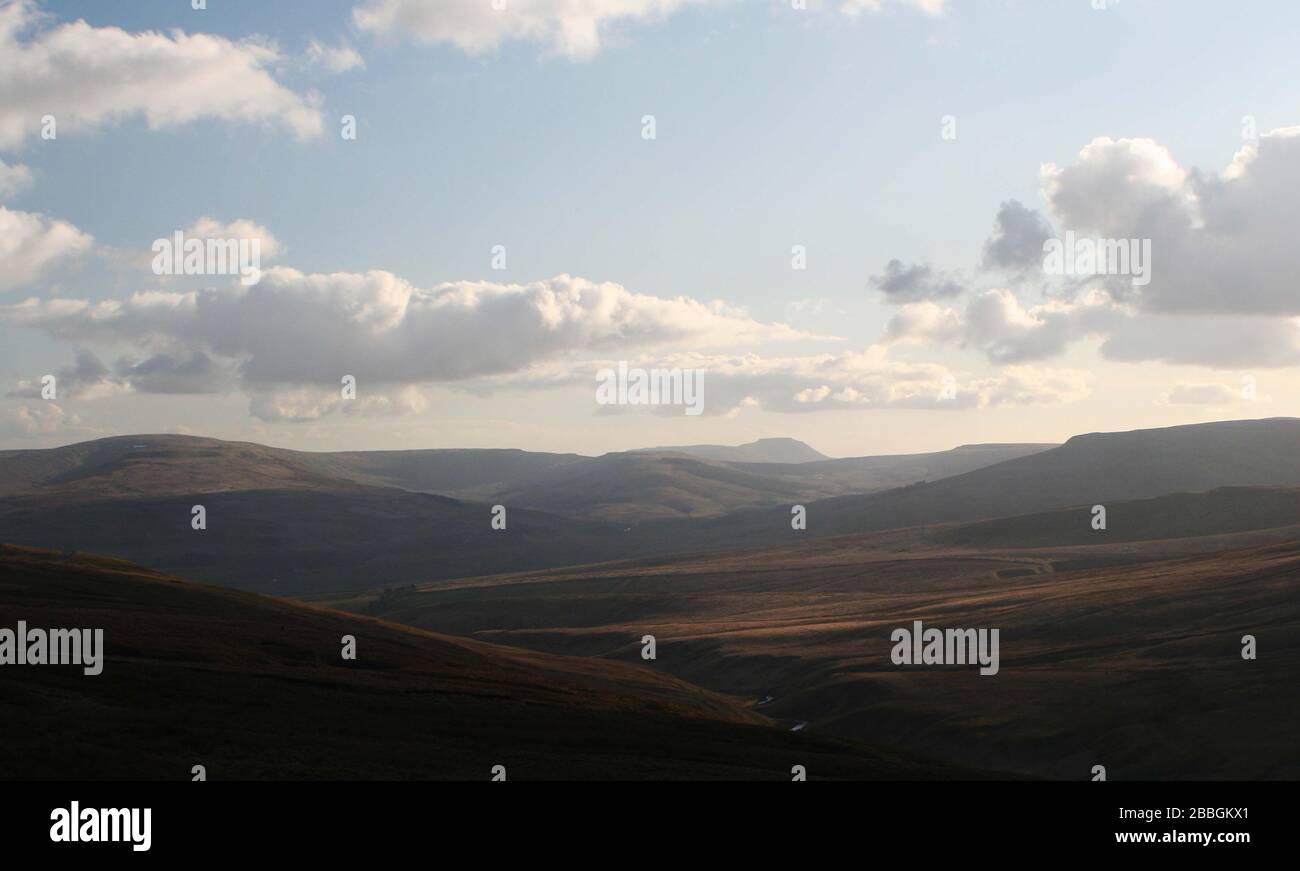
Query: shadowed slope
[[253, 687], [1086, 470], [1134, 663]]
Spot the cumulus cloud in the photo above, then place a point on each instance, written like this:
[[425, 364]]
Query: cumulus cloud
[[242, 228], [295, 330], [902, 284], [1221, 242], [40, 418], [288, 341], [853, 8], [194, 373], [925, 322], [1224, 287], [573, 29], [306, 405], [334, 58], [86, 76], [1017, 241], [866, 379], [87, 378], [14, 179], [31, 243], [996, 323]]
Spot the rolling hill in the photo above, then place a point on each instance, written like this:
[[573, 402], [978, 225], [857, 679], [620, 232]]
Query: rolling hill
[[631, 487], [1087, 470], [872, 474], [252, 688], [761, 451], [297, 523], [1121, 655]]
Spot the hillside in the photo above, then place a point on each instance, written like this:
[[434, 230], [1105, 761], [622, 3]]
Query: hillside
[[304, 524], [255, 688], [871, 474], [636, 486], [165, 465], [295, 542], [1087, 470], [779, 450], [1120, 655], [1225, 511]]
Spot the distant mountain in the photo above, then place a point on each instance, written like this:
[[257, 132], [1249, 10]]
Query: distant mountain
[[1085, 471], [641, 485], [297, 523], [280, 521], [869, 474], [761, 451], [412, 705], [163, 465], [153, 466], [468, 473]]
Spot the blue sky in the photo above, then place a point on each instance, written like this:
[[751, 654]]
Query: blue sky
[[775, 127]]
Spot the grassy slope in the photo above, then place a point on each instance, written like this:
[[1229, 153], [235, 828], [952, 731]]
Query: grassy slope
[[254, 687], [1135, 664]]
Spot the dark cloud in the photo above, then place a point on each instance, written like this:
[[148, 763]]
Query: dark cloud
[[915, 283], [1017, 241], [163, 373]]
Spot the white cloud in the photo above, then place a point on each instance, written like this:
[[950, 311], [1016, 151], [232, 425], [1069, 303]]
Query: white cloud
[[996, 323], [86, 76], [336, 59], [298, 330], [573, 29], [1221, 243], [289, 341], [30, 244], [242, 228], [305, 405], [925, 322], [1224, 285], [41, 418], [87, 378], [862, 380], [14, 179], [854, 8]]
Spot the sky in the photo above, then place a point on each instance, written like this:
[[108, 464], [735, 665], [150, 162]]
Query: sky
[[837, 214]]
